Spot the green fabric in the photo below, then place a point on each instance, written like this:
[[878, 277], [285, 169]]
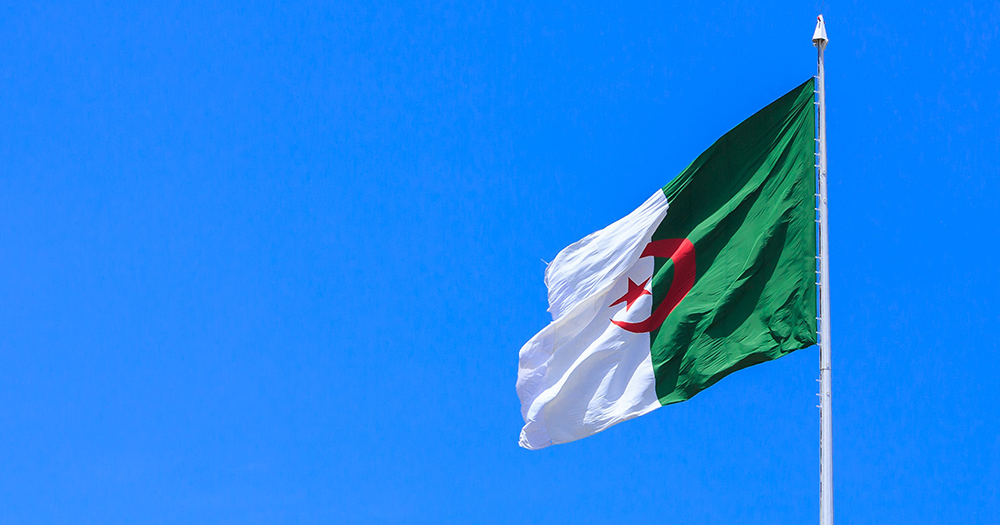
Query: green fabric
[[747, 203]]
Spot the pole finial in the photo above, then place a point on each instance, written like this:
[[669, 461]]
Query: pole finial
[[819, 35]]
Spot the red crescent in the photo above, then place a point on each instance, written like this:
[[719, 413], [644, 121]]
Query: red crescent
[[681, 251]]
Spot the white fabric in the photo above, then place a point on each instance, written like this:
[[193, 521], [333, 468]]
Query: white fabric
[[592, 264], [582, 373]]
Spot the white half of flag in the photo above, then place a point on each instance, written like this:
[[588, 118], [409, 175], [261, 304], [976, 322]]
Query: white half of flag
[[582, 373]]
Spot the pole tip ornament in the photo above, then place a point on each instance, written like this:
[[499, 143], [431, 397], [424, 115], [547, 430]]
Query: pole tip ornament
[[819, 35]]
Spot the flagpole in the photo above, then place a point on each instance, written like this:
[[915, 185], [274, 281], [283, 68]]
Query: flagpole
[[826, 423]]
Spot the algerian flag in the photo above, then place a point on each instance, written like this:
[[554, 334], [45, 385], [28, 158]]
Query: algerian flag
[[664, 303]]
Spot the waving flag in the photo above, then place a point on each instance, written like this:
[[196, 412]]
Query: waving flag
[[713, 273]]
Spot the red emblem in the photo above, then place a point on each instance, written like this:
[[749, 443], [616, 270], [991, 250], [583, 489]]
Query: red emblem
[[681, 252], [635, 291]]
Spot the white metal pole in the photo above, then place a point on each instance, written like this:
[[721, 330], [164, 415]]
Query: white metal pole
[[826, 422]]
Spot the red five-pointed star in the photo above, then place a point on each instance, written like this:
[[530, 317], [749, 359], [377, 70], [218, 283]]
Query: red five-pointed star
[[635, 291]]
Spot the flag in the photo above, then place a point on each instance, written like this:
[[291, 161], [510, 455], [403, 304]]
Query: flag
[[713, 273]]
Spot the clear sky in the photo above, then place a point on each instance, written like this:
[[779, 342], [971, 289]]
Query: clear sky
[[273, 263]]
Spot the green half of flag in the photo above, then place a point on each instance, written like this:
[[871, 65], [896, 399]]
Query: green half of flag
[[747, 204]]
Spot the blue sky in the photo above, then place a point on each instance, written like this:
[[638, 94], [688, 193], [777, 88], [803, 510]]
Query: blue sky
[[273, 263]]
